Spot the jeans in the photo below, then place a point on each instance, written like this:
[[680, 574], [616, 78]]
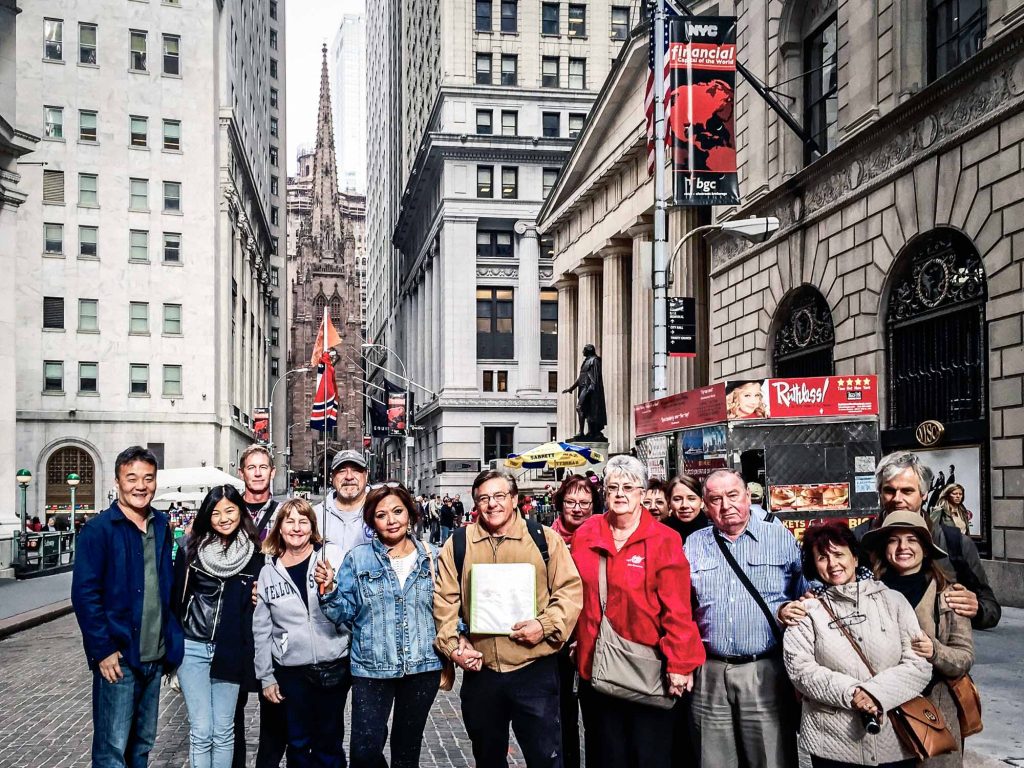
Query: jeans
[[569, 710], [526, 698], [446, 532], [211, 708], [124, 716], [372, 699], [316, 719], [273, 733]]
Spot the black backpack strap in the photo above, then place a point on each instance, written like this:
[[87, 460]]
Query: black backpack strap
[[459, 550], [268, 513], [776, 631], [537, 534]]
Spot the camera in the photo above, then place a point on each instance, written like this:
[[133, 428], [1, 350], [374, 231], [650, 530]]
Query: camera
[[871, 724]]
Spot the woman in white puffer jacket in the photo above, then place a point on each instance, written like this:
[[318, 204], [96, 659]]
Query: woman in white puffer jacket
[[840, 695]]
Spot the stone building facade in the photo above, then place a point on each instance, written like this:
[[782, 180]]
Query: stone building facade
[[327, 232]]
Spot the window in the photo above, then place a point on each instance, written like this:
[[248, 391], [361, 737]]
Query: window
[[87, 189], [172, 196], [956, 30], [172, 135], [138, 317], [86, 43], [53, 312], [172, 247], [273, 126], [483, 69], [493, 243], [138, 378], [805, 337], [54, 117], [138, 131], [577, 20], [549, 18], [274, 188], [53, 238], [138, 245], [275, 366], [53, 376], [576, 120], [509, 123], [275, 215], [620, 23], [821, 91], [273, 68], [275, 307], [273, 156], [273, 97], [552, 124], [547, 247], [509, 16], [494, 329], [88, 316], [483, 16], [549, 181], [552, 381], [484, 121], [275, 276], [87, 242], [273, 9], [509, 67], [273, 39], [53, 32], [509, 183], [138, 51], [497, 442], [495, 381], [274, 337], [86, 126], [549, 324], [172, 319], [138, 194], [549, 72], [172, 62], [53, 186], [88, 378], [578, 73], [485, 181]]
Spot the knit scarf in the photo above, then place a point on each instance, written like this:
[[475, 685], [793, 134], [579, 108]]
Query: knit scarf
[[559, 527], [225, 562], [911, 585]]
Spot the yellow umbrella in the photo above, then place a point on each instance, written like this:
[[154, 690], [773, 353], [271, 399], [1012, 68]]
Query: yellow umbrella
[[554, 456]]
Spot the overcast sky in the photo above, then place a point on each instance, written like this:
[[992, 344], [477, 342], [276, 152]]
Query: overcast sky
[[308, 24]]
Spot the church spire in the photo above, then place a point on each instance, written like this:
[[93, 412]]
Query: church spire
[[326, 227]]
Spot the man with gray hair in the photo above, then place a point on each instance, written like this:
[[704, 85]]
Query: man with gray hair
[[903, 483]]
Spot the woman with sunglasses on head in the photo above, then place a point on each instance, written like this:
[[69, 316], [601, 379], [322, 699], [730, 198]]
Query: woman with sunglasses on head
[[212, 599], [384, 593], [844, 720]]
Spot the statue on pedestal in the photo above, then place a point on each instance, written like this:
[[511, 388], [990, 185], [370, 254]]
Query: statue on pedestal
[[590, 407]]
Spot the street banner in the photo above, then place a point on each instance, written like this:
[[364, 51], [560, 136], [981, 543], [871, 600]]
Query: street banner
[[682, 326], [378, 418], [324, 415], [685, 409], [397, 409], [701, 127], [261, 424]]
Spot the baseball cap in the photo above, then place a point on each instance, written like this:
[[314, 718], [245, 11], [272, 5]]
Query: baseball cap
[[348, 457]]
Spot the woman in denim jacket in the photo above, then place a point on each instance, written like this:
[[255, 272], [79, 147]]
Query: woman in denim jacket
[[385, 595]]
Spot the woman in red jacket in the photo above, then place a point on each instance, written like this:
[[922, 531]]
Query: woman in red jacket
[[648, 602]]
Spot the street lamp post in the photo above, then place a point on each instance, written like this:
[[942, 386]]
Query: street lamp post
[[270, 412], [24, 477], [73, 480], [408, 410]]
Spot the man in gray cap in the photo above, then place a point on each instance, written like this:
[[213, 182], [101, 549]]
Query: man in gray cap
[[340, 516]]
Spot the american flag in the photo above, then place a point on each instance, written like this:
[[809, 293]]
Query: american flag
[[324, 415], [670, 13]]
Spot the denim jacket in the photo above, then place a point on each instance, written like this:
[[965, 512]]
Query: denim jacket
[[392, 627]]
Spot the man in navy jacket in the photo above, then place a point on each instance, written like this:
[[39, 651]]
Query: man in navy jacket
[[121, 593]]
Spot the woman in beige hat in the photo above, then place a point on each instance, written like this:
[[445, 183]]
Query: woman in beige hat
[[904, 557]]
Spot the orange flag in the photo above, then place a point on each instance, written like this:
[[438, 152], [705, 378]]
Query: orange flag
[[333, 340]]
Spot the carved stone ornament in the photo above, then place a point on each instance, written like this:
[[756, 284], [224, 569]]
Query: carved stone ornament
[[939, 275], [807, 326], [505, 273]]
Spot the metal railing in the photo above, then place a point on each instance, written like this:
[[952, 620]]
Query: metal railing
[[35, 554]]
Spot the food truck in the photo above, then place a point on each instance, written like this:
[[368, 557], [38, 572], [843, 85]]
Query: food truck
[[811, 443]]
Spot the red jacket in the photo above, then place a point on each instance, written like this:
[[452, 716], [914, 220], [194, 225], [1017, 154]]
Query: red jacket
[[648, 593]]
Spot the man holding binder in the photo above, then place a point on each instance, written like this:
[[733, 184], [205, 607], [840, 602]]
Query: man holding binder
[[503, 629]]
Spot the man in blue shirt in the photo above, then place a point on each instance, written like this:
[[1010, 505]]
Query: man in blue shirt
[[121, 592], [742, 700]]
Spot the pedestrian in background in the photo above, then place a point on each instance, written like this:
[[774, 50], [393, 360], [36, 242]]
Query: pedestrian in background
[[121, 593], [951, 510], [212, 599], [685, 506], [301, 655], [446, 518], [384, 594], [339, 517], [655, 499]]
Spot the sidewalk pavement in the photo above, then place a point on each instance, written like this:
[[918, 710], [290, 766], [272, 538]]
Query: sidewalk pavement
[[24, 604]]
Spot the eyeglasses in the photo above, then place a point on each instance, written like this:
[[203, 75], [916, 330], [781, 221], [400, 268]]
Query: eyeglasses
[[573, 504], [485, 500], [612, 490], [391, 484], [851, 620]]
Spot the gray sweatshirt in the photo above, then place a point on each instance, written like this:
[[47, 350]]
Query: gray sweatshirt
[[285, 631], [343, 529]]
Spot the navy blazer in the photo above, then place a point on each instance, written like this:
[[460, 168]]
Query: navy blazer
[[106, 590]]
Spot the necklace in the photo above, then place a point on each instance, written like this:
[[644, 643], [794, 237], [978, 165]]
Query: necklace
[[405, 545]]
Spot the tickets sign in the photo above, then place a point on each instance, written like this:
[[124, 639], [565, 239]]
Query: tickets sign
[[799, 525], [821, 396], [685, 409]]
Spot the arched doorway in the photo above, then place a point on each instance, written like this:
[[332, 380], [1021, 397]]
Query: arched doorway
[[61, 463], [805, 337]]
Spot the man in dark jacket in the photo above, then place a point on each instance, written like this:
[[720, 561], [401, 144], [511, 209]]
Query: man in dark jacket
[[903, 483], [121, 593]]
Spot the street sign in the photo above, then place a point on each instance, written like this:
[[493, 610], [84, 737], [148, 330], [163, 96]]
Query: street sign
[[682, 326]]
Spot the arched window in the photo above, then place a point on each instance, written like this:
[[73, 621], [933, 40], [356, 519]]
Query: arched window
[[805, 337], [58, 493], [318, 306], [936, 332]]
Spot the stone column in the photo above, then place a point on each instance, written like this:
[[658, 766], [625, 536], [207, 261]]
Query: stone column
[[527, 310], [589, 314], [430, 309], [457, 305], [615, 322], [567, 355], [641, 316]]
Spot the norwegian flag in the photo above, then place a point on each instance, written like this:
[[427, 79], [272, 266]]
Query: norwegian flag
[[670, 13], [324, 415]]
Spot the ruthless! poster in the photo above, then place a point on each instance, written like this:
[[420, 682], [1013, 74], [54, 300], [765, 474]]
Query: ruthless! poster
[[702, 129]]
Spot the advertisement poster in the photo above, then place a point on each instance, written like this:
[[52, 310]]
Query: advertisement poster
[[822, 497], [682, 326], [261, 424], [802, 398], [797, 526], [703, 451], [654, 453], [701, 126], [956, 465], [745, 400], [685, 409], [396, 411]]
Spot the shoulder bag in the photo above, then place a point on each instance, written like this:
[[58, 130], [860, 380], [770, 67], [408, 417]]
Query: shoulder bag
[[968, 705], [624, 669], [747, 585], [918, 723]]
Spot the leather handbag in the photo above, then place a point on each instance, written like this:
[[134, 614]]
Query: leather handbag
[[968, 705], [328, 674], [447, 681], [624, 669], [918, 723]]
